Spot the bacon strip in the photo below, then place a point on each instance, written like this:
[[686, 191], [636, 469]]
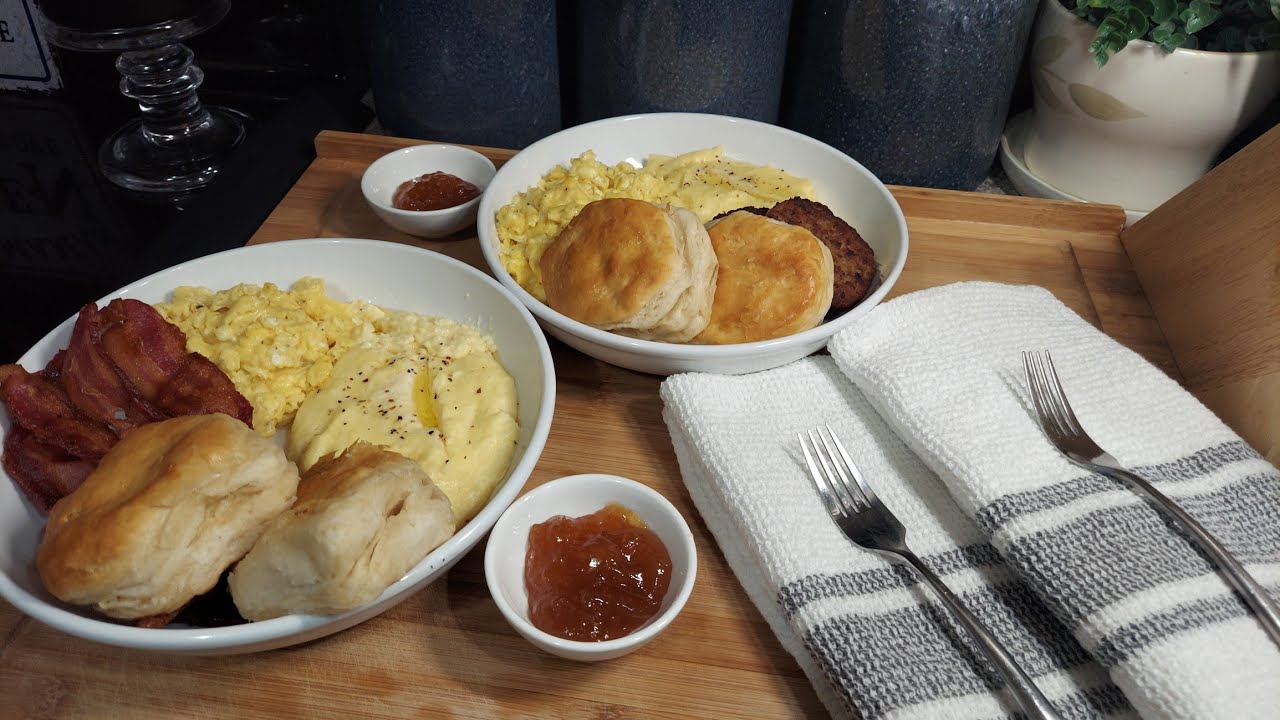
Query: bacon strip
[[91, 380], [42, 408], [43, 472], [200, 388], [124, 366], [147, 350], [156, 621]]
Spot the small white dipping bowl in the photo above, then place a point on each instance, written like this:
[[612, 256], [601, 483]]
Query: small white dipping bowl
[[385, 174], [851, 191], [575, 496]]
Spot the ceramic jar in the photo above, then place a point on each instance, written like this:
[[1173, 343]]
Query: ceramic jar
[[1149, 123], [485, 72], [713, 56], [915, 90]]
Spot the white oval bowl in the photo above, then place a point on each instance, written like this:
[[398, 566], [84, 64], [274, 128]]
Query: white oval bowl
[[392, 275], [851, 191], [575, 496], [384, 175]]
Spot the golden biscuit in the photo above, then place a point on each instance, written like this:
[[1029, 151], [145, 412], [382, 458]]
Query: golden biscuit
[[774, 280], [631, 267], [170, 507]]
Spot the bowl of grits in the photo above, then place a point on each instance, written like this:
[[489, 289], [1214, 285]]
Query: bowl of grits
[[298, 326], [708, 164]]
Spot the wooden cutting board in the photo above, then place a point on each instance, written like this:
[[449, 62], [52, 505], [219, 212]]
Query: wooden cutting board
[[447, 651]]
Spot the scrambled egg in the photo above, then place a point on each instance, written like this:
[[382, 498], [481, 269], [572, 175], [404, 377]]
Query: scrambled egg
[[707, 182], [429, 389], [277, 346]]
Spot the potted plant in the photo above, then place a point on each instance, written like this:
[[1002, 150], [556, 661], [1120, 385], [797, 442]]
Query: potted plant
[[1135, 99]]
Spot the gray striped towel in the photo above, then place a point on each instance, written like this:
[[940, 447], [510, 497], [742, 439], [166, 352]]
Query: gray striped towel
[[1107, 607], [1133, 591], [873, 642]]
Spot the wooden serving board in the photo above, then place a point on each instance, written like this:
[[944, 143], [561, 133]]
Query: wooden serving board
[[447, 651]]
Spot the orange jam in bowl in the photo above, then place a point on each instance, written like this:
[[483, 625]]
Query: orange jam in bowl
[[433, 191], [596, 577]]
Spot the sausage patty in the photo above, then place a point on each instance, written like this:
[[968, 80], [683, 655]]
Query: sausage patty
[[854, 260]]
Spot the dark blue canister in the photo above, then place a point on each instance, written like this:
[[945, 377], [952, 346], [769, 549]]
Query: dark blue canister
[[714, 56], [484, 72], [916, 90]]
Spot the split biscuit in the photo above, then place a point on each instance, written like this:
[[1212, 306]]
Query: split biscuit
[[852, 257], [364, 518], [168, 509], [774, 280], [633, 268]]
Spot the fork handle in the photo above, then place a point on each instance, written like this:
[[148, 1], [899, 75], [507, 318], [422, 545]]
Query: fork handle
[[1033, 702], [1265, 608]]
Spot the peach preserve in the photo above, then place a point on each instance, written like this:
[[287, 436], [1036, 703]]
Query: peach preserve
[[433, 191], [595, 577]]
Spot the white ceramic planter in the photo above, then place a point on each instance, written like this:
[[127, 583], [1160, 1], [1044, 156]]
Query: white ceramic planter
[[1140, 129]]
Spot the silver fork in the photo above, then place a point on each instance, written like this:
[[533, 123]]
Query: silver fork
[[856, 509], [1066, 434]]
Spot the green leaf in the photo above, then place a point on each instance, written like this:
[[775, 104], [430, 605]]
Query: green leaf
[[1136, 23], [1200, 14], [1101, 105], [1162, 32], [1143, 6], [1162, 11]]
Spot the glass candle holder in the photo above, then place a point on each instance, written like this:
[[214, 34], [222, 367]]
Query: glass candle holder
[[178, 144]]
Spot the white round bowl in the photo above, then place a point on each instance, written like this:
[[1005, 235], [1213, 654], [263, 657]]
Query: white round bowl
[[388, 274], [385, 174], [849, 189], [575, 496]]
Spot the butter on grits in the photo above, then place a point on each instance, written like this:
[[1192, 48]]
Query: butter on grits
[[277, 346], [707, 182], [429, 389]]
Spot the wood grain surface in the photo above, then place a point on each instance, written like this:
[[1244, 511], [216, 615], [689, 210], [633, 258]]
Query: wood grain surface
[[1209, 260], [446, 651]]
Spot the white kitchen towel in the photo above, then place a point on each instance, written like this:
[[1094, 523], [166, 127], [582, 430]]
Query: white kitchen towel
[[944, 367], [873, 642]]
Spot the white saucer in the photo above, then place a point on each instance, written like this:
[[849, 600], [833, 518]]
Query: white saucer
[[1027, 183]]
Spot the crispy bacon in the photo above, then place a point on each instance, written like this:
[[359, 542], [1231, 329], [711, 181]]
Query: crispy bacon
[[151, 354], [91, 380], [156, 621], [43, 472], [147, 350], [124, 366], [200, 388], [7, 371], [42, 407], [52, 371]]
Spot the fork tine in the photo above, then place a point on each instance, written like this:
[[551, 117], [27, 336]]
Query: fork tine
[[819, 480], [1047, 411], [848, 499], [1060, 395], [845, 462], [1032, 376]]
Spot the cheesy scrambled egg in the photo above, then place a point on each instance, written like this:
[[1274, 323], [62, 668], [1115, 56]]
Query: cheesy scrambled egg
[[277, 346], [707, 182], [427, 388]]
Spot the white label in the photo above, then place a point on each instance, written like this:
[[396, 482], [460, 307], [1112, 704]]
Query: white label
[[24, 55]]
